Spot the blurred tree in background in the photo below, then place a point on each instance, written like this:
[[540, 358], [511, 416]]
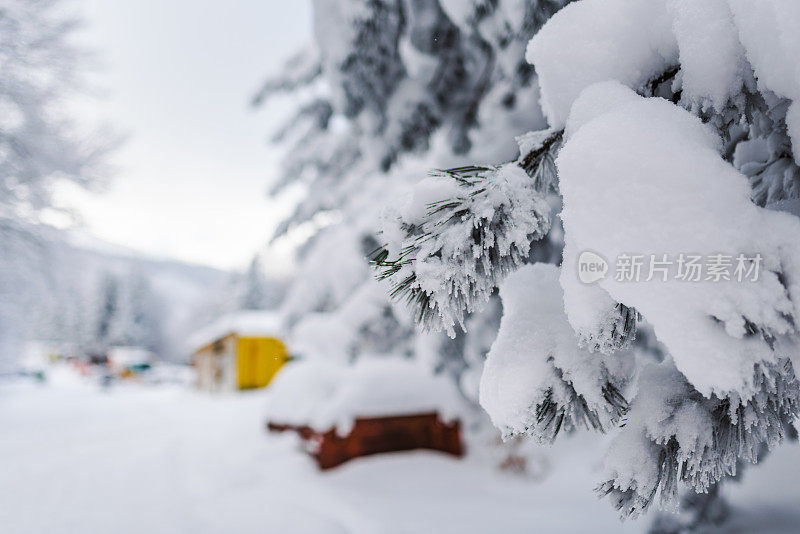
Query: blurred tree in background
[[128, 313], [40, 145]]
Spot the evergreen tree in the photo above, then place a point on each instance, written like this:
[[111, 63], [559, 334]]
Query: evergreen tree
[[128, 313], [256, 292], [671, 126], [140, 314], [107, 311]]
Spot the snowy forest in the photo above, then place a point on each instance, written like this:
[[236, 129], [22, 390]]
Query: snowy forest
[[500, 265]]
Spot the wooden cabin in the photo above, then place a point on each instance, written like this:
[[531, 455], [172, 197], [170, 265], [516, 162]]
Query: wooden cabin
[[243, 350], [372, 407]]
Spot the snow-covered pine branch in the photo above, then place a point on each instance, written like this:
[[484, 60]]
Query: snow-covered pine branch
[[673, 433], [403, 86], [464, 230], [648, 168], [729, 339], [538, 151], [728, 61], [537, 380]]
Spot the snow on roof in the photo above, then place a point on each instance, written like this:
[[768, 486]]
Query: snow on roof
[[242, 323], [325, 395]]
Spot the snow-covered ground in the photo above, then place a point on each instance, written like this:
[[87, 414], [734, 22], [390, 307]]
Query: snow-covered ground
[[77, 458]]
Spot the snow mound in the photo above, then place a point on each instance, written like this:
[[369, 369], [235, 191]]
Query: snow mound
[[299, 390]]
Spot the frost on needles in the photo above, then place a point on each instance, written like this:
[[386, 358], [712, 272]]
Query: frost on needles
[[673, 433], [462, 232]]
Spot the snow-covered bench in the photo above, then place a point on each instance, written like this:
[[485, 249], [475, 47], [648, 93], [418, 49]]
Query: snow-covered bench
[[374, 406]]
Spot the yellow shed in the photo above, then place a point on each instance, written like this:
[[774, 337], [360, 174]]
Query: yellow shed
[[240, 351]]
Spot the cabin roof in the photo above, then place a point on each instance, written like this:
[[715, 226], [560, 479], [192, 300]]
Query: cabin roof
[[243, 324]]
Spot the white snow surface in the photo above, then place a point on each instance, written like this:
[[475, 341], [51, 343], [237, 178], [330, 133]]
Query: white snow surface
[[323, 396], [244, 323], [642, 176], [83, 460]]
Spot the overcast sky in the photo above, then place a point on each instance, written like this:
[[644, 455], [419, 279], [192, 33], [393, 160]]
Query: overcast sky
[[177, 76]]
